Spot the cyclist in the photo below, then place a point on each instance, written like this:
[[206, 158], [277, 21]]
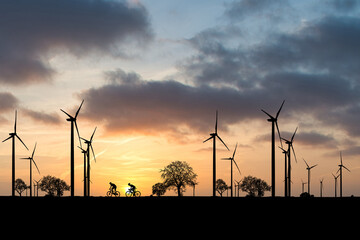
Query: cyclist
[[132, 188], [112, 187]]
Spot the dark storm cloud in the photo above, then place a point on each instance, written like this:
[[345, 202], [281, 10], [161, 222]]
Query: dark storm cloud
[[162, 106], [32, 30]]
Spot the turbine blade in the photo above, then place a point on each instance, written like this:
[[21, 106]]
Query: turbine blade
[[66, 113], [92, 149], [294, 152], [77, 130], [337, 170], [15, 121], [81, 149], [208, 139], [292, 138], [341, 158], [93, 135], [277, 114], [223, 142], [32, 155], [7, 139], [237, 166], [36, 166], [234, 151], [226, 158], [306, 163], [277, 127], [346, 168], [77, 112], [267, 114], [313, 166], [216, 122], [21, 141]]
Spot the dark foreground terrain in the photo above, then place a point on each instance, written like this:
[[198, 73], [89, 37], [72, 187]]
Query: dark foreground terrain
[[193, 204], [173, 216]]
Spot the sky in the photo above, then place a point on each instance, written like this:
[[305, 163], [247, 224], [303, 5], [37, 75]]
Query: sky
[[152, 74]]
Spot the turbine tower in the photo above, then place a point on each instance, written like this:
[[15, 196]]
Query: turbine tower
[[341, 166], [31, 160], [13, 135], [214, 136], [89, 146], [232, 161], [72, 121], [273, 121], [308, 169], [290, 146]]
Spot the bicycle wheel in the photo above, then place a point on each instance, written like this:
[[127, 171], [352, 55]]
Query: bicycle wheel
[[137, 194], [117, 194], [108, 194], [128, 194]]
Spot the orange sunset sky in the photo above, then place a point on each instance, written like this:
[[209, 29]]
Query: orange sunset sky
[[152, 75]]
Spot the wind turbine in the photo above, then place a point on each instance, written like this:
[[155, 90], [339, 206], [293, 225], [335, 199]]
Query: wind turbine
[[273, 121], [335, 177], [213, 136], [302, 185], [85, 156], [308, 169], [72, 120], [31, 160], [341, 166], [285, 152], [232, 161], [290, 146], [36, 184], [13, 135], [321, 186], [89, 146]]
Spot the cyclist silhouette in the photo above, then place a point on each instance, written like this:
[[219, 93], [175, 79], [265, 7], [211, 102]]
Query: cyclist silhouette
[[112, 187], [132, 188]]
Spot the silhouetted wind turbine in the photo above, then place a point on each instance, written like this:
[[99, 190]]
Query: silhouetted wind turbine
[[232, 161], [273, 121], [213, 136], [36, 184], [290, 146], [308, 169], [335, 177], [89, 146], [13, 135], [85, 157], [302, 185], [285, 180], [341, 166], [72, 120], [31, 160], [321, 186]]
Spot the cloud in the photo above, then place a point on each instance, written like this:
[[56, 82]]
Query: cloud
[[31, 31], [164, 106], [240, 9], [39, 116], [8, 101]]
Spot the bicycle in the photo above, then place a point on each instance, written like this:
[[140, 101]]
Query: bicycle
[[130, 193], [111, 193]]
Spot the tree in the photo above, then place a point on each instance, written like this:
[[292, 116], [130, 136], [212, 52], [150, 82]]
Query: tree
[[221, 186], [20, 186], [255, 187], [177, 175], [159, 189], [52, 185]]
